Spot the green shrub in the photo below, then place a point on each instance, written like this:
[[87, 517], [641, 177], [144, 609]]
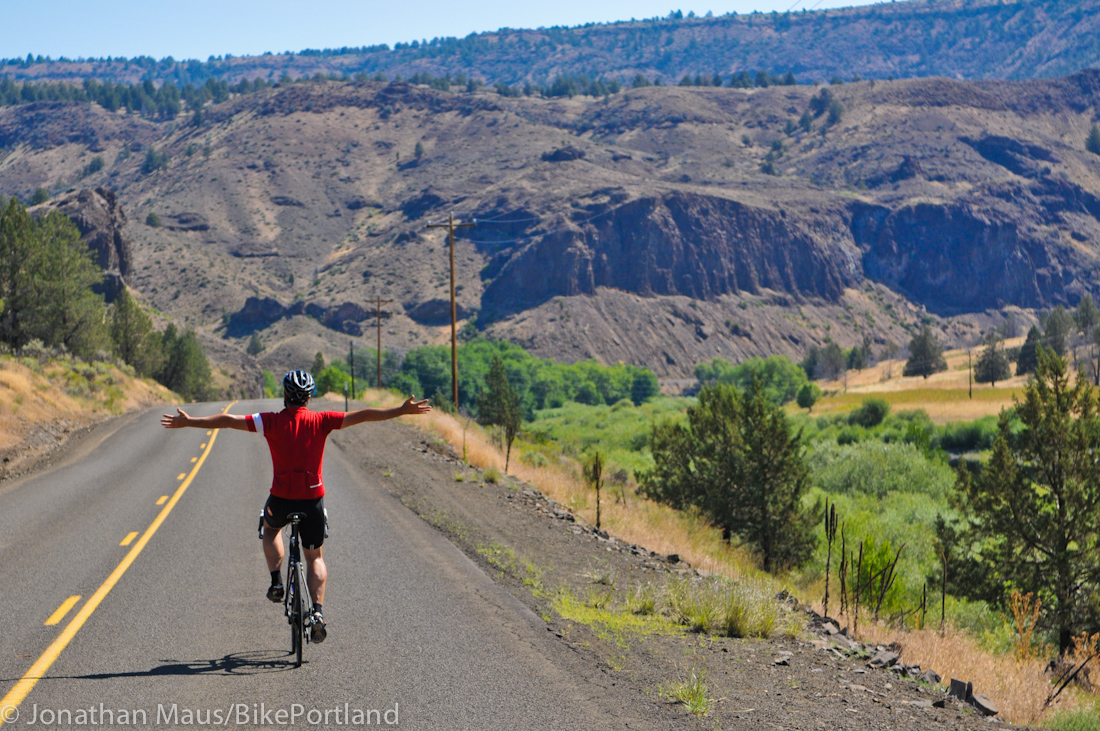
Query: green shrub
[[870, 413], [874, 468], [967, 436]]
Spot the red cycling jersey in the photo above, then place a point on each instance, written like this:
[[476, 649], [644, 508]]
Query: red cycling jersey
[[296, 437]]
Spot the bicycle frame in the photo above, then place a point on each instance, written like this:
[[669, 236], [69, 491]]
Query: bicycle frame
[[296, 601]]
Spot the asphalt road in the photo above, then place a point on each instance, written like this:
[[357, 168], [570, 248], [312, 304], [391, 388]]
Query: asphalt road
[[184, 633]]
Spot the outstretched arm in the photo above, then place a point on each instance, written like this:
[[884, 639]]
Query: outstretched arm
[[409, 408], [217, 421]]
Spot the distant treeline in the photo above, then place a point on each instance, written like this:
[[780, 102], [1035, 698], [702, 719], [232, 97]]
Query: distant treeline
[[539, 383], [47, 296], [168, 100], [164, 102]]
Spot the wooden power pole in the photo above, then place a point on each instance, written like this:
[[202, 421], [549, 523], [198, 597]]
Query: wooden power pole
[[378, 302], [351, 360], [451, 226]]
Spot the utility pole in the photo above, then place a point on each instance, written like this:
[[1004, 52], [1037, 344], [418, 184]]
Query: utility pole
[[378, 302], [451, 226], [969, 374], [351, 361]]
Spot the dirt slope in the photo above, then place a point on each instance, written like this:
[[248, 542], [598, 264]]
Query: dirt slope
[[641, 227]]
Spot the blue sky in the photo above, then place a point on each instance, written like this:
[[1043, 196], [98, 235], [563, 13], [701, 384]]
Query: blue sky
[[201, 28]]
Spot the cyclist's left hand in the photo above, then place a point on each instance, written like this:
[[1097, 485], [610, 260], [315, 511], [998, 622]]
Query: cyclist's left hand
[[168, 421], [413, 408]]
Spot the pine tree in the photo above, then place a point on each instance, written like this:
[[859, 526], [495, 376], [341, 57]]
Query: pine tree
[[1092, 143], [1033, 512], [1087, 316], [18, 259], [1056, 332], [133, 336], [499, 404], [737, 461], [318, 363], [67, 312], [925, 354], [255, 345], [1028, 357], [992, 365]]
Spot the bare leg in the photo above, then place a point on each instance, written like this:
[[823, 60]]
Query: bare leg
[[273, 547], [316, 574]]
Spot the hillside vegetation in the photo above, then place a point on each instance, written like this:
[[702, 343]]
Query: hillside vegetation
[[45, 396], [983, 39]]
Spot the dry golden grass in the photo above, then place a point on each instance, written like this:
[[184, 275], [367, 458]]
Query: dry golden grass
[[34, 394], [945, 396], [623, 514], [1018, 688]]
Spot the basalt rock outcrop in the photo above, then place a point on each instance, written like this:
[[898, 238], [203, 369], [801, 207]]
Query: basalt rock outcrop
[[678, 244], [261, 312], [98, 216]]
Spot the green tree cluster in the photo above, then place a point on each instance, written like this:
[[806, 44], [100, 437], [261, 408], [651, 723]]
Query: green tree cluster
[[829, 360], [779, 378], [737, 461], [46, 280], [539, 383], [164, 102], [174, 359]]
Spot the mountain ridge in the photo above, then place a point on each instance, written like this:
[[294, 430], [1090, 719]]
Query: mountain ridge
[[915, 38], [661, 226]]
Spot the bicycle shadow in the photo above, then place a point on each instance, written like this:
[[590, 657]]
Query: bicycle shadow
[[254, 662]]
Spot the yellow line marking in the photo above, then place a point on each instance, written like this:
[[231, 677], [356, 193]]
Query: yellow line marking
[[202, 446], [163, 499], [129, 539], [22, 688], [66, 605], [209, 433], [181, 475], [193, 459]]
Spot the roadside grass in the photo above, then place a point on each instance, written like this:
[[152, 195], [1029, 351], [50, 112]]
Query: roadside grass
[[504, 559], [1018, 687], [691, 693], [616, 624], [35, 391], [1082, 718]]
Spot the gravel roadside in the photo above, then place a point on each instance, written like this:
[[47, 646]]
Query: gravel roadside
[[537, 549]]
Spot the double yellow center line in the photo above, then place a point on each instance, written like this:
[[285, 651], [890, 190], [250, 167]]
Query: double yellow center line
[[37, 671]]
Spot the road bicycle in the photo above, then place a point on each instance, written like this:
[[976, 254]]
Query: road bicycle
[[296, 601]]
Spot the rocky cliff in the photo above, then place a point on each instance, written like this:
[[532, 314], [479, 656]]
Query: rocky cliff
[[697, 246], [102, 225]]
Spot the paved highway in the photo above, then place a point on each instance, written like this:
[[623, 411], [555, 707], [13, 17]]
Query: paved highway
[[155, 532]]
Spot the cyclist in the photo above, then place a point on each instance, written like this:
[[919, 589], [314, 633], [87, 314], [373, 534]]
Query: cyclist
[[296, 437]]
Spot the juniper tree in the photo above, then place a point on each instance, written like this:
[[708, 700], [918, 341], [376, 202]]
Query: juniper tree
[[499, 404], [925, 354], [992, 365], [1028, 357], [736, 461], [1032, 514]]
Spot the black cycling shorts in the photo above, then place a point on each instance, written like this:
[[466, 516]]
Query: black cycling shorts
[[313, 529]]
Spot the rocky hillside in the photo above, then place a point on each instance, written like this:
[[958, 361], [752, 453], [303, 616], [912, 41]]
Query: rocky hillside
[[917, 38], [659, 226]]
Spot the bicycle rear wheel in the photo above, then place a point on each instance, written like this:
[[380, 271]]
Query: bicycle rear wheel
[[299, 624]]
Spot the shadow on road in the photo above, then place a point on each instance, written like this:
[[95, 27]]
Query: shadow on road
[[237, 663]]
